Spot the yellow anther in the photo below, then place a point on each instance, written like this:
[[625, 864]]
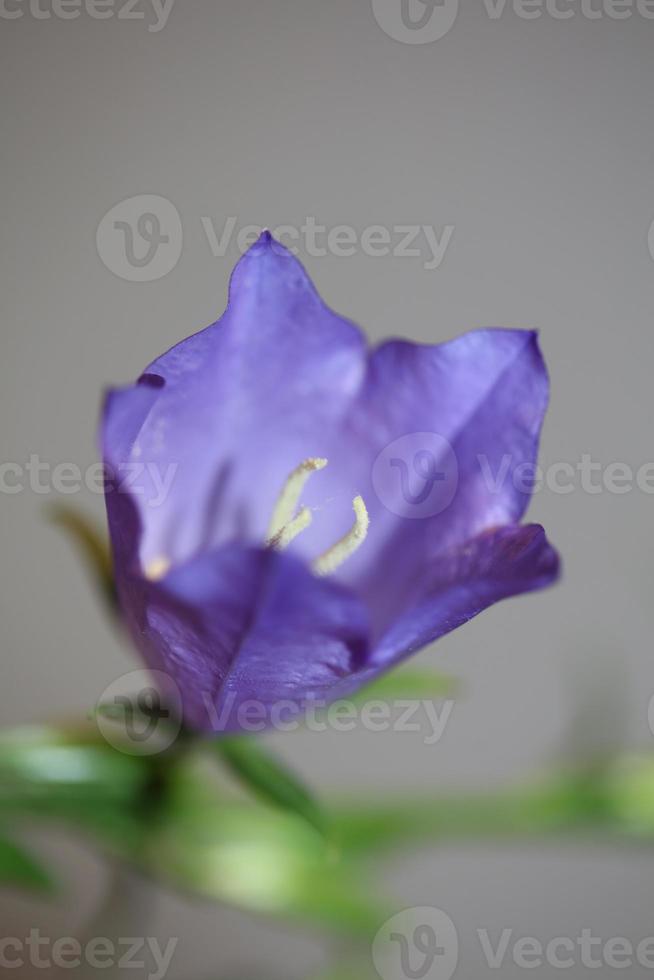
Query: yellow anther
[[284, 537], [329, 561], [157, 568], [287, 502], [286, 524]]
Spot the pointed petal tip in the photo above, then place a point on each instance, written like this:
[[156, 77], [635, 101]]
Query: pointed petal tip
[[265, 244], [527, 547], [261, 245], [268, 262]]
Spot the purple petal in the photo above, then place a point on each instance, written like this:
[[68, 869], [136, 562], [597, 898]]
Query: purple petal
[[238, 406], [232, 411], [493, 566], [483, 396], [245, 624]]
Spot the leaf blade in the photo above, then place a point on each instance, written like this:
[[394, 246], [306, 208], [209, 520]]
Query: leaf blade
[[408, 683], [269, 779], [92, 545], [19, 867]]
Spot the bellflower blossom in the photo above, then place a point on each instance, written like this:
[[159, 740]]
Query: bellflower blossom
[[333, 508]]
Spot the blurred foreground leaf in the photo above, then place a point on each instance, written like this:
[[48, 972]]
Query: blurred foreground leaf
[[615, 802], [269, 779], [630, 788], [407, 682], [73, 776], [260, 858], [18, 867], [91, 542], [169, 818]]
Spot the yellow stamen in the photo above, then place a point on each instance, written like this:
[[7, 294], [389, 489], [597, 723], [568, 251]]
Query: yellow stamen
[[288, 499], [157, 568], [348, 544], [284, 537], [285, 526]]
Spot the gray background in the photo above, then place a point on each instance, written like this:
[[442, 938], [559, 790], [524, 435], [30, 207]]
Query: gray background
[[535, 140]]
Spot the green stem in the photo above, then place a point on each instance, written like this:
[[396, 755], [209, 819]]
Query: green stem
[[557, 807]]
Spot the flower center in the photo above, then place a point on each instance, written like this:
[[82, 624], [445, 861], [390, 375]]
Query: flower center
[[287, 521]]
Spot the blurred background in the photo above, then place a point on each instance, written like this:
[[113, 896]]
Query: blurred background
[[516, 146]]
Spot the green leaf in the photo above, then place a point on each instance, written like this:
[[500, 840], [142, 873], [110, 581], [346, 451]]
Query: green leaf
[[409, 683], [73, 776], [18, 867], [269, 779], [630, 791], [563, 805], [92, 544], [260, 858]]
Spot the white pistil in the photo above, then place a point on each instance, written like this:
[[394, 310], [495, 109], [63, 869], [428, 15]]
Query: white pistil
[[348, 544], [157, 568], [284, 512]]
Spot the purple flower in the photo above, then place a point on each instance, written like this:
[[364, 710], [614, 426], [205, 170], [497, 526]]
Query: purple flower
[[331, 509]]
